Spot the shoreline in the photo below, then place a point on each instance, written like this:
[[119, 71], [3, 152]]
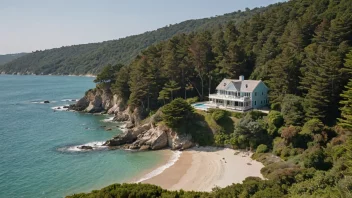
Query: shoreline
[[203, 168], [167, 160]]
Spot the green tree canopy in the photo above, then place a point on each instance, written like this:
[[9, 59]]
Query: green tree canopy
[[178, 112], [108, 74], [346, 110]]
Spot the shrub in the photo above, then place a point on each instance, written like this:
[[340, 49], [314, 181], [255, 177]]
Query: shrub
[[262, 148], [288, 133], [275, 106], [177, 112], [316, 159], [275, 121], [312, 126], [220, 139], [218, 115], [292, 110]]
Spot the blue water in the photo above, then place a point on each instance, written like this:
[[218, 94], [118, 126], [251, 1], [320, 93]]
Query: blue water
[[200, 106], [35, 155]]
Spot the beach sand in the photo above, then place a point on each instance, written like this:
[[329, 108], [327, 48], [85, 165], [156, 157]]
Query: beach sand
[[201, 169]]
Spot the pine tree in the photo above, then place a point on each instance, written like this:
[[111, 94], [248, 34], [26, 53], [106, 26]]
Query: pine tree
[[121, 87], [139, 85], [171, 87], [346, 110], [201, 55], [285, 69], [164, 95], [315, 82], [268, 52]]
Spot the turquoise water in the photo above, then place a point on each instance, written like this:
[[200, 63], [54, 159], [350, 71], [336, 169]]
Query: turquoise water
[[35, 155], [200, 106]]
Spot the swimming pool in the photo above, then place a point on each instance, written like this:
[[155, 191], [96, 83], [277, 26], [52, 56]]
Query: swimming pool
[[201, 106]]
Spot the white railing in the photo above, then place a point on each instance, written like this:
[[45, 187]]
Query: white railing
[[224, 96]]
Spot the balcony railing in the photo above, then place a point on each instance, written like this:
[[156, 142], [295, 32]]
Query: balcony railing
[[224, 96]]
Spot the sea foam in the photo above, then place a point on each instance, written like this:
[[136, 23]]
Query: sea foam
[[173, 159], [95, 146], [110, 119], [60, 108], [69, 100]]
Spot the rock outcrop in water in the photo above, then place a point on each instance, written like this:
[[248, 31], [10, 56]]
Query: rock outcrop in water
[[94, 101], [102, 100], [148, 136]]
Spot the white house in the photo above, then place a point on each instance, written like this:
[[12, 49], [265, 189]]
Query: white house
[[240, 94]]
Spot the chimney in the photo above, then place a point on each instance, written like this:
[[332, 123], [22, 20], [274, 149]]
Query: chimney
[[241, 78]]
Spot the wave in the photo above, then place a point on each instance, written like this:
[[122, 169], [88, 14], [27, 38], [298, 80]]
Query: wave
[[69, 100], [176, 155], [42, 102], [110, 119], [95, 146], [60, 108]]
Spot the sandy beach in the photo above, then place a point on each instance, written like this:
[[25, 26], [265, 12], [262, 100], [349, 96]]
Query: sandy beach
[[201, 169]]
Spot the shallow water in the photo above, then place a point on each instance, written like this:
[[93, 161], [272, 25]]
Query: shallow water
[[38, 154]]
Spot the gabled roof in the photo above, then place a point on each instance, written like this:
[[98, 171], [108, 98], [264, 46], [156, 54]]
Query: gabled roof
[[240, 85]]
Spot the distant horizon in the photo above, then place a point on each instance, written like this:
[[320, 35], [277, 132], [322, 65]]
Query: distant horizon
[[43, 26]]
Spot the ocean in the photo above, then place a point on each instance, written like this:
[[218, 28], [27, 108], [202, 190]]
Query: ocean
[[38, 150]]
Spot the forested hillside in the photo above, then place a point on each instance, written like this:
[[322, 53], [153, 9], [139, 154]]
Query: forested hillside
[[302, 50], [90, 58], [9, 57], [297, 48]]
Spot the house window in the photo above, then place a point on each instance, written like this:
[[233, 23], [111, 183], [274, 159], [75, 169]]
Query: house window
[[261, 102], [255, 102], [246, 86], [255, 93], [262, 93]]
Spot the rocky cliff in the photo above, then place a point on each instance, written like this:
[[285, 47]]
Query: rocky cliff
[[102, 100], [138, 136], [150, 137], [94, 101]]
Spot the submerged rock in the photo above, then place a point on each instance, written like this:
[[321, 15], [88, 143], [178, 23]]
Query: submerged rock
[[85, 147], [46, 101]]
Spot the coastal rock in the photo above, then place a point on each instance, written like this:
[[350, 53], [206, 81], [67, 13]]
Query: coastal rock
[[158, 139], [46, 101], [118, 105], [129, 125], [140, 129], [128, 136], [85, 147], [80, 105], [178, 141], [94, 101], [148, 137], [95, 105], [121, 139], [144, 148], [154, 139], [121, 117]]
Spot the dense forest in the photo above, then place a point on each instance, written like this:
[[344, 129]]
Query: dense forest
[[6, 58], [302, 50], [90, 58], [297, 48]]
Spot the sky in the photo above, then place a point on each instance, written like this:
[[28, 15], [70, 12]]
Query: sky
[[26, 26]]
